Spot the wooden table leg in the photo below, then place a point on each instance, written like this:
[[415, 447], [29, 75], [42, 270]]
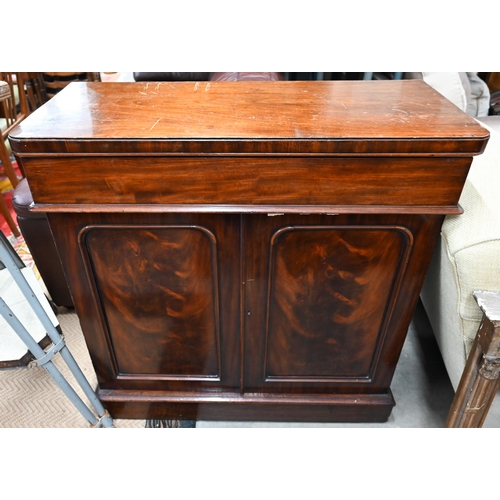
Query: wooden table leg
[[481, 377]]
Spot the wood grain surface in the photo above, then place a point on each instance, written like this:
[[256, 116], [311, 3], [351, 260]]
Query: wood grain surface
[[379, 117], [329, 287], [389, 182], [159, 289], [247, 250]]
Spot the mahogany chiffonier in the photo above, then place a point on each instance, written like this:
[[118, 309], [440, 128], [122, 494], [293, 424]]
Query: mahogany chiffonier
[[246, 250]]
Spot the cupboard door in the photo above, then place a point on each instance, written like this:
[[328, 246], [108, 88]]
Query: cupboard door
[[166, 292], [320, 292]]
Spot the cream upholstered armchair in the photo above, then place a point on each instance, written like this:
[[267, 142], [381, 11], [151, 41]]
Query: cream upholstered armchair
[[467, 260]]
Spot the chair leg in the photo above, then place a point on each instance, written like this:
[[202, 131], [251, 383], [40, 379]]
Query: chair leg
[[481, 377], [7, 164], [4, 210]]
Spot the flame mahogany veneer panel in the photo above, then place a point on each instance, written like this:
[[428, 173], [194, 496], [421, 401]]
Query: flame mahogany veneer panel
[[159, 294], [330, 289], [328, 299]]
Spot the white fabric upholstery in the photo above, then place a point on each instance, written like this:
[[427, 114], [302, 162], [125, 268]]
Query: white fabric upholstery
[[440, 296], [454, 86], [451, 85], [467, 259], [479, 103], [466, 90]]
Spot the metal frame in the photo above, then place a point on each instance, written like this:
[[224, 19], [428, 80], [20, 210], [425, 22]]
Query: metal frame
[[42, 357]]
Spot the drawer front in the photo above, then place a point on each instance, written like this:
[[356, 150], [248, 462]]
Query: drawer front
[[246, 181]]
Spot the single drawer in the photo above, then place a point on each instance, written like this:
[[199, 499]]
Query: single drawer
[[239, 182]]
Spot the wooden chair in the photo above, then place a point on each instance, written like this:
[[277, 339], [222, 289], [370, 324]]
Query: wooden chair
[[35, 90], [4, 210], [22, 93], [14, 108], [55, 82], [5, 95]]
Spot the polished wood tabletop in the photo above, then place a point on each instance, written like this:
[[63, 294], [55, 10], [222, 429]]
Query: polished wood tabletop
[[379, 117], [153, 146]]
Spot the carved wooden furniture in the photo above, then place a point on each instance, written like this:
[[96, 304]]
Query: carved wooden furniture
[[54, 82], [35, 90], [5, 212], [247, 250], [5, 95], [11, 114], [481, 378]]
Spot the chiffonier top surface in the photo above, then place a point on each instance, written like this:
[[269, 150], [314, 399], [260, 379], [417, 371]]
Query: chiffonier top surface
[[320, 117]]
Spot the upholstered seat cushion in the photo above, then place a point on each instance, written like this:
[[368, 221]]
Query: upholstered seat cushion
[[171, 76], [255, 76]]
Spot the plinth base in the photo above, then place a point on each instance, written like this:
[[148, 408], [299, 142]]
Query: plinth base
[[236, 407]]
